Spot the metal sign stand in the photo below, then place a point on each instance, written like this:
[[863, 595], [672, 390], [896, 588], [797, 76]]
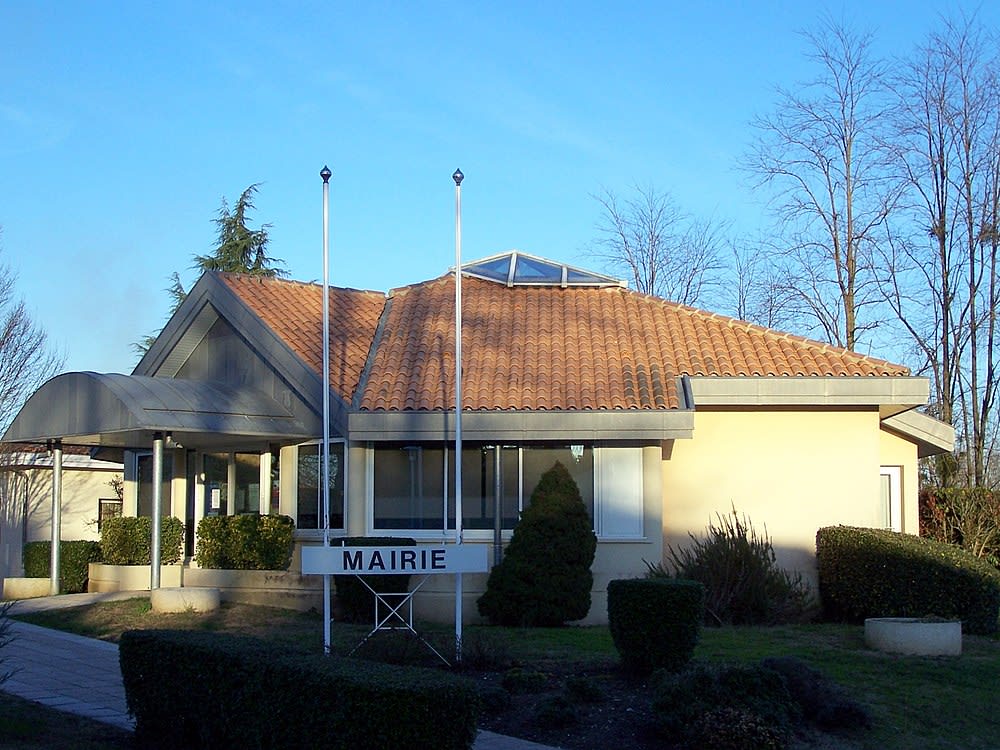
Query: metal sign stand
[[395, 619]]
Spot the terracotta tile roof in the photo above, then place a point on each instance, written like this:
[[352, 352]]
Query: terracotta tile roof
[[576, 348], [293, 310], [542, 348]]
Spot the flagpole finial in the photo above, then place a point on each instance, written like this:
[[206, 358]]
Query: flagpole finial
[[458, 177], [326, 174]]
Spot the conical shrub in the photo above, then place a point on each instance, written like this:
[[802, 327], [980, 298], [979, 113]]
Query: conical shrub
[[545, 578]]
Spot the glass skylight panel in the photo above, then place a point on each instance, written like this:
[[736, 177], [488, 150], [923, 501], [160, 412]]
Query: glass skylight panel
[[532, 271], [517, 269], [497, 269]]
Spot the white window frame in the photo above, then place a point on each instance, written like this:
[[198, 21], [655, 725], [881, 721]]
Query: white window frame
[[317, 534], [895, 476]]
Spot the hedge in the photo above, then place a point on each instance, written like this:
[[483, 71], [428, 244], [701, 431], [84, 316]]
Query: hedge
[[655, 622], [208, 690], [125, 540], [878, 573], [245, 542], [74, 563], [353, 596]]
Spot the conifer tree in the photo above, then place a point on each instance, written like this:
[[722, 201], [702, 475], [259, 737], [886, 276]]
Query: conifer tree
[[545, 577]]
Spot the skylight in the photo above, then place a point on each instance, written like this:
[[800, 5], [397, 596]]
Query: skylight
[[518, 269]]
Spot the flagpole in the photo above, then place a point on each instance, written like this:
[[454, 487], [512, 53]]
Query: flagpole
[[458, 177], [325, 173]]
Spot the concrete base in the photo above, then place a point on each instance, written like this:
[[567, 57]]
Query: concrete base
[[914, 636], [171, 600], [26, 588]]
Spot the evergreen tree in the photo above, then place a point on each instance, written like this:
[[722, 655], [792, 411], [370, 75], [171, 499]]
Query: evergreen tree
[[238, 249], [545, 578]]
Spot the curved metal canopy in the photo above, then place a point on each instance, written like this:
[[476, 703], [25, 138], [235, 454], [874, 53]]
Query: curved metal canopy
[[124, 411]]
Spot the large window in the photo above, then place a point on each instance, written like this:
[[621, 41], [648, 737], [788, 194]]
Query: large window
[[413, 485], [310, 472], [144, 470]]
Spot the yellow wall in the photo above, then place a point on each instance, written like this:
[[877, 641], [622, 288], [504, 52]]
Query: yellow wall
[[789, 471], [896, 451]]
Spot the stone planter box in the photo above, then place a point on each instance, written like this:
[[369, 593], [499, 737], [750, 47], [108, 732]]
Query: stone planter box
[[914, 636], [188, 599], [129, 577], [26, 588]]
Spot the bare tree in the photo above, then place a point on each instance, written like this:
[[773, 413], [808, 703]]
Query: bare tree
[[26, 358], [662, 250], [940, 260], [758, 292], [819, 152]]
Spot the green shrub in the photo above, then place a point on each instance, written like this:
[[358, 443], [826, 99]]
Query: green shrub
[[654, 622], [966, 516], [743, 583], [544, 578], [728, 728], [355, 599], [486, 651], [74, 563], [554, 712], [519, 681], [245, 542], [824, 703], [212, 690], [683, 703], [878, 573], [126, 540], [583, 689]]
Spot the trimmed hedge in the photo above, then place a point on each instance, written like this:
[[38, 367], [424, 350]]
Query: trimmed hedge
[[210, 690], [74, 563], [655, 622], [356, 600], [125, 540], [245, 542], [877, 573]]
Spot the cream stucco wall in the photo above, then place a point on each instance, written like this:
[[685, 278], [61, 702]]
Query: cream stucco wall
[[897, 451], [791, 471], [26, 508]]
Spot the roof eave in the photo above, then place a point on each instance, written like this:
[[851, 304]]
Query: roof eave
[[931, 435], [891, 394]]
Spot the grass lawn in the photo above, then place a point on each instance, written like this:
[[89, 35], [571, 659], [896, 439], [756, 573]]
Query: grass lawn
[[942, 703]]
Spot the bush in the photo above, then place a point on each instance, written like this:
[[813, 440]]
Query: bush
[[824, 703], [654, 622], [245, 542], [356, 600], [74, 563], [544, 578], [518, 681], [554, 712], [966, 516], [209, 690], [683, 703], [878, 573], [743, 583], [126, 540]]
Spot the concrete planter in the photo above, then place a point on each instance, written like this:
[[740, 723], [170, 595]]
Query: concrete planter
[[914, 636], [129, 577], [189, 599], [26, 588]]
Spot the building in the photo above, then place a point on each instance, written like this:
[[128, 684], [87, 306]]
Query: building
[[665, 415]]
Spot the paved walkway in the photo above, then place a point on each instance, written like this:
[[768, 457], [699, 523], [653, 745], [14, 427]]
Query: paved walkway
[[81, 675]]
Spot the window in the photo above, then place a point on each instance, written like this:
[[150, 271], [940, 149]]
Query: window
[[216, 470], [107, 508], [412, 484], [309, 485], [144, 470], [890, 507]]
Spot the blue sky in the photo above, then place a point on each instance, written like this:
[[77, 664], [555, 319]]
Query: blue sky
[[123, 125]]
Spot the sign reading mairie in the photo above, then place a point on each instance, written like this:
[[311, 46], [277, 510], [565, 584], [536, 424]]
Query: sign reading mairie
[[419, 560]]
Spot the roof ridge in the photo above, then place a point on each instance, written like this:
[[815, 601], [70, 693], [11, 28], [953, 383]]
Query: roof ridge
[[294, 282], [358, 396]]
